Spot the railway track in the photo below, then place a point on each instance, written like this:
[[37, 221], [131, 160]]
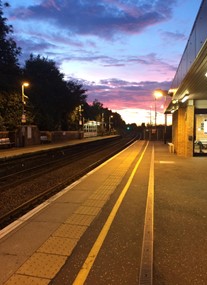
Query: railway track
[[16, 171], [13, 166], [33, 179]]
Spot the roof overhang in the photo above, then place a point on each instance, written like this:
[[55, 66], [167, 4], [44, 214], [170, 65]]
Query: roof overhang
[[194, 84]]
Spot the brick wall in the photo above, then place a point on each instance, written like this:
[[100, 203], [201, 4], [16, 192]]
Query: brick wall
[[190, 130], [182, 131]]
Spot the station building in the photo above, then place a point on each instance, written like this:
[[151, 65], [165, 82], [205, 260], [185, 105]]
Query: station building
[[188, 91], [91, 129]]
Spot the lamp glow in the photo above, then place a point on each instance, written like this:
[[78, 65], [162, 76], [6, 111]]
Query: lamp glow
[[185, 98]]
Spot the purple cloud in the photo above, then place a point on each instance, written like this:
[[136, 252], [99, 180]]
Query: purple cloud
[[177, 36], [102, 18]]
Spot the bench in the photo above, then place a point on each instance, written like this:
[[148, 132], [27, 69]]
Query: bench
[[5, 142], [201, 145], [171, 147], [203, 142], [44, 139]]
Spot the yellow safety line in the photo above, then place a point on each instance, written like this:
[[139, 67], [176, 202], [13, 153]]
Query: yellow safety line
[[87, 265], [146, 267]]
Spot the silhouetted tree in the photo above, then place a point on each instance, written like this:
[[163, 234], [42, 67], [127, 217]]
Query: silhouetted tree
[[96, 110], [75, 97], [9, 52], [51, 97], [10, 77], [118, 123]]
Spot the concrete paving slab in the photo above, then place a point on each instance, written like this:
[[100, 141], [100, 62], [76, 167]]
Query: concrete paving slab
[[56, 212], [77, 195], [23, 243], [9, 264]]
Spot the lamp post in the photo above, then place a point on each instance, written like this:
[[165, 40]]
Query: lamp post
[[110, 117], [102, 123], [80, 121], [24, 97], [158, 93]]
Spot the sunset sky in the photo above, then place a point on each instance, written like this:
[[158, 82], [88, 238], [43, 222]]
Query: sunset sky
[[121, 50]]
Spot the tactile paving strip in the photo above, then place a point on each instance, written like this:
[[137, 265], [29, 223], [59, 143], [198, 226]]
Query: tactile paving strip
[[100, 196], [70, 231], [77, 219], [84, 210], [42, 265], [94, 203], [58, 245], [18, 279]]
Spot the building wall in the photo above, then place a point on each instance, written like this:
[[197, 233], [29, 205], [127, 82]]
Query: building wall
[[175, 130], [184, 118], [183, 131], [190, 130]]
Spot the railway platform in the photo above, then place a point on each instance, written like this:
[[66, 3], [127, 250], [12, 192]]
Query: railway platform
[[16, 151], [97, 230]]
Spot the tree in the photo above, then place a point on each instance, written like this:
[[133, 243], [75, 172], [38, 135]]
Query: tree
[[51, 97], [96, 110], [118, 123], [75, 98], [9, 52], [10, 111], [10, 100]]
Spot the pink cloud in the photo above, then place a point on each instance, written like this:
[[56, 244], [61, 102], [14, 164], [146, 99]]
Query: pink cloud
[[118, 94]]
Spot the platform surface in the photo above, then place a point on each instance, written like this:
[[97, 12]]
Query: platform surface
[[35, 248]]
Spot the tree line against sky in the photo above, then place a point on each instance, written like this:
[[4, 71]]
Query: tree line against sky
[[53, 102]]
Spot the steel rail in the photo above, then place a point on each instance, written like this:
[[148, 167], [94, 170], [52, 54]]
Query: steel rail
[[21, 176]]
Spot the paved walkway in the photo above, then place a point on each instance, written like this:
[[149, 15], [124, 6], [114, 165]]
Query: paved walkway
[[180, 228], [35, 251], [35, 247]]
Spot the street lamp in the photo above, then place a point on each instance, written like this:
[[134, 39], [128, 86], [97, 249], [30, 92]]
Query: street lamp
[[102, 123], [158, 93], [80, 121], [110, 117], [24, 97]]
